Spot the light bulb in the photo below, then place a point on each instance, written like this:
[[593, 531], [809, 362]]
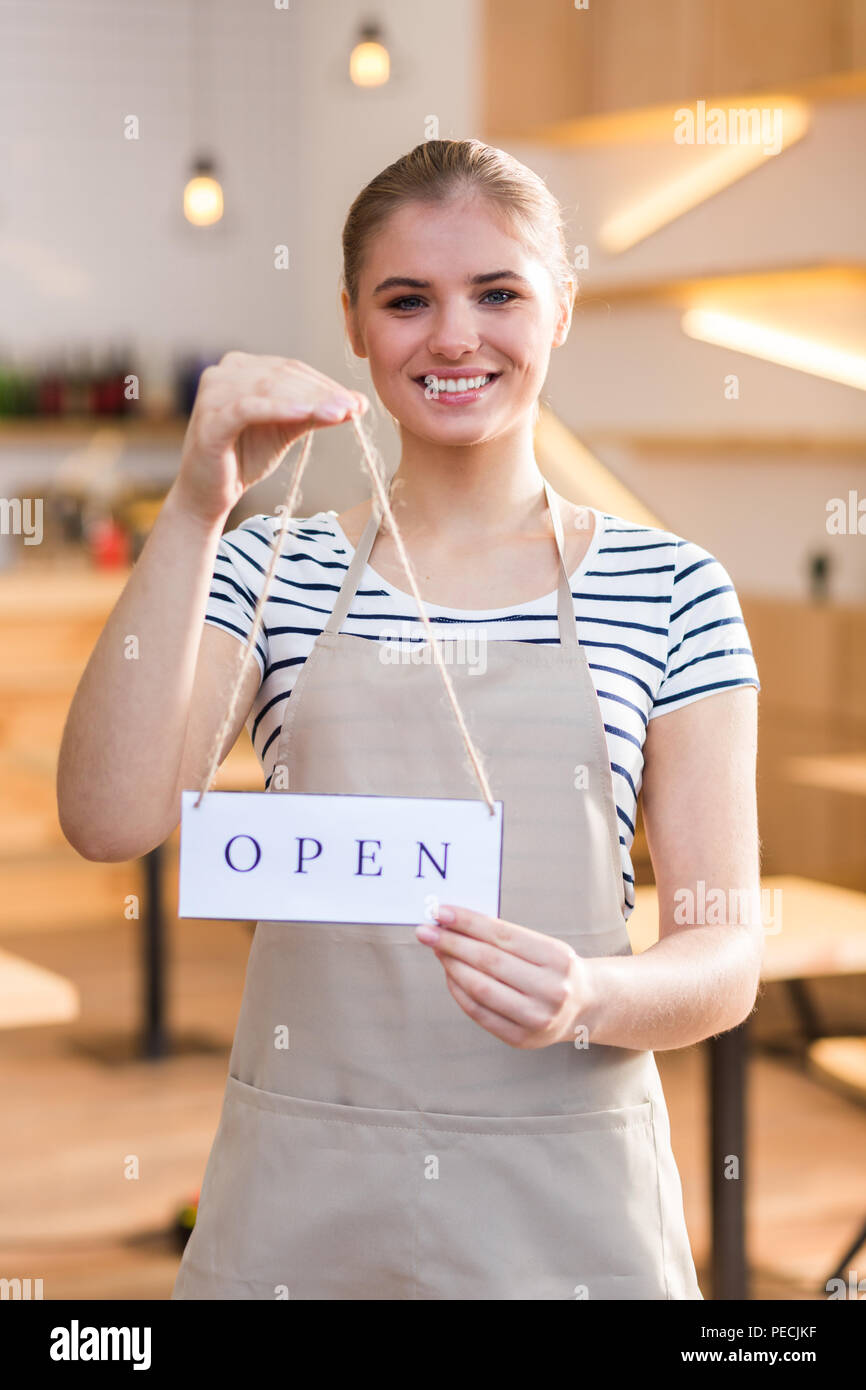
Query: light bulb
[[203, 198], [370, 63]]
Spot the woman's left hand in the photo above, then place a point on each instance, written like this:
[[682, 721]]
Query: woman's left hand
[[526, 988]]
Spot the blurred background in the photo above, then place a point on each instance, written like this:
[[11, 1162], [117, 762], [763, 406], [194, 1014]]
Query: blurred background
[[176, 175]]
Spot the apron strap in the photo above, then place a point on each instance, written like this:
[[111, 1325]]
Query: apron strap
[[354, 574]]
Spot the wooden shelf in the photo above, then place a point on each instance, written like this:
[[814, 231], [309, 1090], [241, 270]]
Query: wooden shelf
[[842, 278], [780, 445], [139, 431]]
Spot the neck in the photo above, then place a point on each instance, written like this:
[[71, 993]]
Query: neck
[[492, 488]]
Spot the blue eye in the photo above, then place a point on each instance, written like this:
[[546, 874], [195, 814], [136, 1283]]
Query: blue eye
[[413, 299]]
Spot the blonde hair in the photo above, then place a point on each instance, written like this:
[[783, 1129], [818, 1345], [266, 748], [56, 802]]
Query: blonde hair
[[441, 169]]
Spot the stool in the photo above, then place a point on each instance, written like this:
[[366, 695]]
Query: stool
[[842, 1062]]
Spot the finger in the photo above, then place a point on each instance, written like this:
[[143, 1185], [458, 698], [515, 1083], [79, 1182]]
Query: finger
[[498, 998], [506, 936], [548, 983], [494, 1023], [270, 406], [330, 402], [490, 960], [279, 386], [327, 383], [246, 373], [313, 372], [225, 426]]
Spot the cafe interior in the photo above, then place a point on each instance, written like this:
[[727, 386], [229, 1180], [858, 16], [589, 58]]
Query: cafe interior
[[177, 175]]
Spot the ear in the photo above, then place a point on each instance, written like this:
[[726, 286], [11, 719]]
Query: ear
[[352, 329], [564, 310]]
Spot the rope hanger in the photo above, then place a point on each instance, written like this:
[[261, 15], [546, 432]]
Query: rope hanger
[[287, 508]]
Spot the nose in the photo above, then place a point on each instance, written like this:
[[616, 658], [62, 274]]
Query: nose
[[453, 333]]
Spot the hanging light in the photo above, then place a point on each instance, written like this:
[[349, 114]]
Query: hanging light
[[370, 62], [203, 195]]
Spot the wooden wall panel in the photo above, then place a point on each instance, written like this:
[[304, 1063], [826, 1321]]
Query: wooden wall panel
[[812, 667], [644, 54], [759, 43], [856, 32], [536, 64], [545, 61]]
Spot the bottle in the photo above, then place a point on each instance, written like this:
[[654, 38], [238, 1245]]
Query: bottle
[[49, 388]]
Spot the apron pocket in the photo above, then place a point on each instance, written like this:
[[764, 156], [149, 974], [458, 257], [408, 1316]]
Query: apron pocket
[[304, 1199], [313, 1200], [542, 1207]]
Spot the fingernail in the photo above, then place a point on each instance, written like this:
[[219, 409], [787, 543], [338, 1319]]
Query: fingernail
[[427, 933], [446, 914], [332, 411]]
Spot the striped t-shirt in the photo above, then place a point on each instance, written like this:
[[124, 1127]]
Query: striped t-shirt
[[657, 615]]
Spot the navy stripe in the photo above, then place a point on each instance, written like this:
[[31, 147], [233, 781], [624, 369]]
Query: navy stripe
[[624, 549], [624, 675], [624, 772], [703, 689], [710, 656], [623, 598], [622, 733], [241, 589], [268, 741], [702, 598], [699, 564], [275, 700], [231, 627], [618, 574], [281, 665], [707, 627], [621, 700]]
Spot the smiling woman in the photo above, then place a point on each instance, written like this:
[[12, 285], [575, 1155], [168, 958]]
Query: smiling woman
[[441, 204], [516, 1050]]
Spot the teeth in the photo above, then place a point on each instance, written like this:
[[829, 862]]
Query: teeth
[[462, 383]]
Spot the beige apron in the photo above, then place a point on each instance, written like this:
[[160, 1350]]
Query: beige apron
[[395, 1149]]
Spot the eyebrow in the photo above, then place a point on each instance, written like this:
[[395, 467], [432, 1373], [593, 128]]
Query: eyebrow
[[405, 282]]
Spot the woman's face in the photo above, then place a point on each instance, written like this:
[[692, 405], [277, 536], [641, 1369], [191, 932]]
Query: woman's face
[[436, 305]]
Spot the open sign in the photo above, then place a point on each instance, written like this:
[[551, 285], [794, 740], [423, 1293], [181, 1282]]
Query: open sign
[[300, 857]]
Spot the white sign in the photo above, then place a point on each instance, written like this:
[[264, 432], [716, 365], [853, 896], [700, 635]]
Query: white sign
[[298, 857]]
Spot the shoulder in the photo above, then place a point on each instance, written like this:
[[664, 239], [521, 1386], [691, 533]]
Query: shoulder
[[640, 550], [631, 560], [252, 541]]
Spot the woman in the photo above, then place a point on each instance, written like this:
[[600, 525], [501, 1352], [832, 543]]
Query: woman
[[472, 1111]]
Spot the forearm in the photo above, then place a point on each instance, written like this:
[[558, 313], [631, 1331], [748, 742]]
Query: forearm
[[124, 736], [692, 984]]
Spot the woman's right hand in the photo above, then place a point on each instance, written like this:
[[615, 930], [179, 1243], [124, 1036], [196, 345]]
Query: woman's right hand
[[247, 411]]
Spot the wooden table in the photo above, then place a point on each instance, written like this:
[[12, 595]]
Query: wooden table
[[838, 772], [820, 929], [51, 615], [30, 995], [240, 771]]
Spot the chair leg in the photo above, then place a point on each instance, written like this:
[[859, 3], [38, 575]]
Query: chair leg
[[841, 1270], [806, 1010]]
